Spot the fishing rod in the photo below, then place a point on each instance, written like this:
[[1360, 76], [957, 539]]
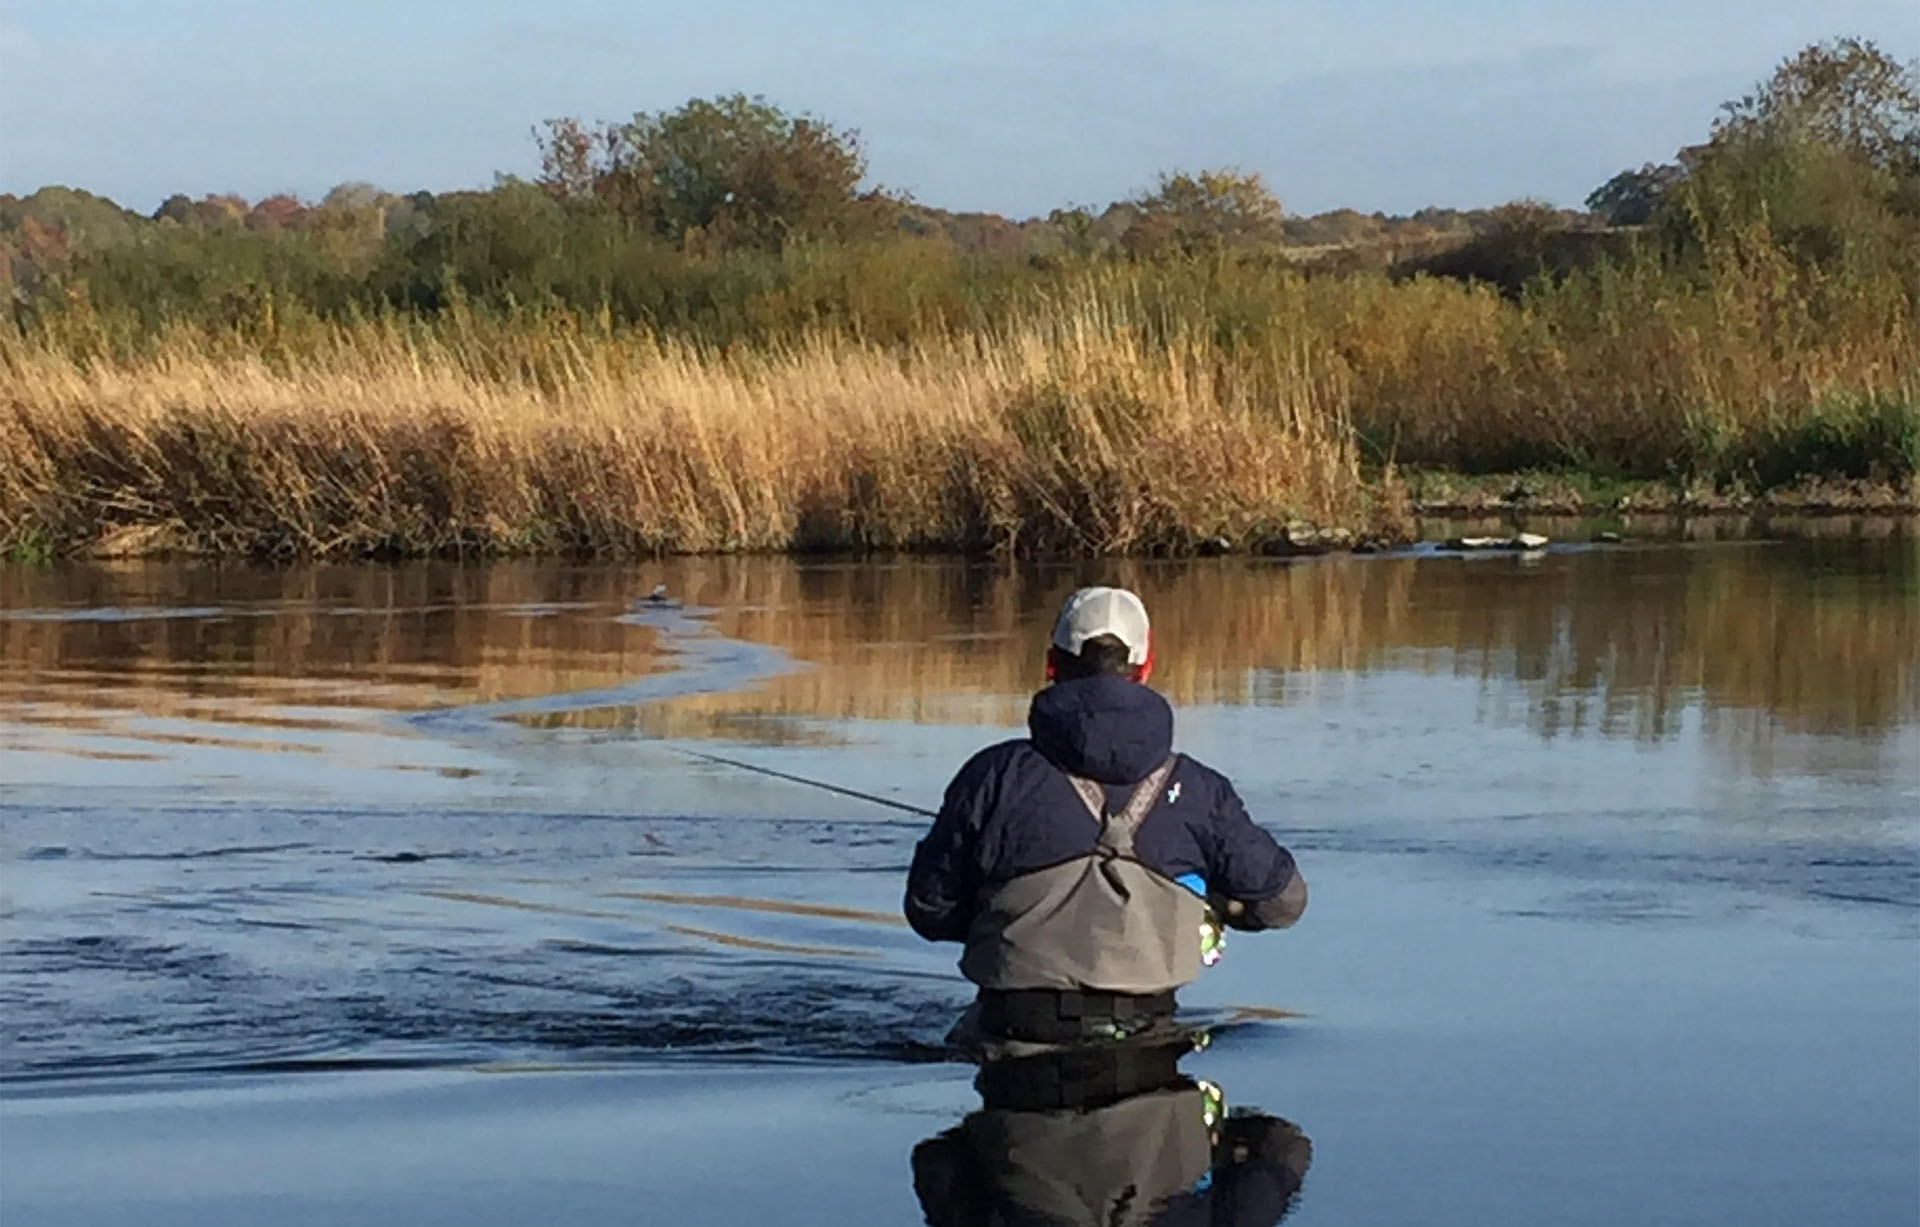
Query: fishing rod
[[855, 793], [1213, 931]]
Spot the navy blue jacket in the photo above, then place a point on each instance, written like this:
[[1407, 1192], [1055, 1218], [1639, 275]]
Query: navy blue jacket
[[1012, 809]]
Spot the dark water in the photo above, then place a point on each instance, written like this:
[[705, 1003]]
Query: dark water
[[396, 894]]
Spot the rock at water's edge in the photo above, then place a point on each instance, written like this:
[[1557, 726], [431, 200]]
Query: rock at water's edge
[[1519, 541], [1296, 540]]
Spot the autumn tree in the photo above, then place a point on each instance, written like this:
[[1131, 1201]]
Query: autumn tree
[[1824, 154], [350, 223], [1205, 211], [218, 211], [31, 252], [87, 220], [276, 213], [1847, 95]]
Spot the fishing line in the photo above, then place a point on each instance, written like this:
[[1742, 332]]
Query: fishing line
[[1238, 1015], [855, 793]]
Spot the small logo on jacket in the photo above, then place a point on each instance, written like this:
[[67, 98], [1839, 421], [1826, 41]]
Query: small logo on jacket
[[1173, 795]]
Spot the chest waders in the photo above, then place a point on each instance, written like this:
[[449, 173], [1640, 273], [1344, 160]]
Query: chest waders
[[1102, 923]]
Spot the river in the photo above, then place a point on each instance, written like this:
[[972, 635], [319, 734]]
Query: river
[[405, 893]]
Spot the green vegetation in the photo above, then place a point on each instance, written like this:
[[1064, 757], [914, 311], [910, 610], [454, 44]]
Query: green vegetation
[[34, 548], [1873, 439], [1743, 319]]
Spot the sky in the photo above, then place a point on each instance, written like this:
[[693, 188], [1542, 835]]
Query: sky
[[996, 105]]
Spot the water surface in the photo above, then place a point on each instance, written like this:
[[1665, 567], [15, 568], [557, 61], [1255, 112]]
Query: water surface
[[395, 892]]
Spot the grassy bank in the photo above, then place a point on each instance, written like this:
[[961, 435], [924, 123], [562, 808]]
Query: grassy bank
[[703, 331], [1445, 493], [1062, 431], [1141, 407]]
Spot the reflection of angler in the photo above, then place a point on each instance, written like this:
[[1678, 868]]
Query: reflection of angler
[[1113, 1137]]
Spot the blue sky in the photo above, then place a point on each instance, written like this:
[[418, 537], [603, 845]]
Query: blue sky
[[1009, 107]]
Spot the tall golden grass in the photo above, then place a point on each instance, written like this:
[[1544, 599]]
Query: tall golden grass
[[1126, 408], [1063, 431]]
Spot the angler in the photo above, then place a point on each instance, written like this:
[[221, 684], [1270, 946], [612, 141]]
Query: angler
[[1085, 866]]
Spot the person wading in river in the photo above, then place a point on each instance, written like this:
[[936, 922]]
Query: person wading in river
[[1083, 866]]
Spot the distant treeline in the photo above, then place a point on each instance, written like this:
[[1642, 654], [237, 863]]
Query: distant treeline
[[674, 220], [357, 228], [519, 246], [1747, 314], [681, 220]]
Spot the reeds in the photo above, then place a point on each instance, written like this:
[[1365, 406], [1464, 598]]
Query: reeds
[[1117, 408], [1065, 431]]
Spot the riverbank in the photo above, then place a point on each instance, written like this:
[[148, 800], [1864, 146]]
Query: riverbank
[[1444, 493], [1138, 410]]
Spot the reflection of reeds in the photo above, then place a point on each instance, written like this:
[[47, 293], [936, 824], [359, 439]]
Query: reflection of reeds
[[1610, 643], [1617, 644], [359, 637]]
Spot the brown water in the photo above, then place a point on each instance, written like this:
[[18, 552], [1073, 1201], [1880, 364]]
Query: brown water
[[1614, 851]]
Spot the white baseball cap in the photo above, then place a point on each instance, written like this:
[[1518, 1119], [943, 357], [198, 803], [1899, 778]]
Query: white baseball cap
[[1093, 612]]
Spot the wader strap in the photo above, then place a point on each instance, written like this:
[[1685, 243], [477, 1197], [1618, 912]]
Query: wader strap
[[1117, 830], [1094, 797]]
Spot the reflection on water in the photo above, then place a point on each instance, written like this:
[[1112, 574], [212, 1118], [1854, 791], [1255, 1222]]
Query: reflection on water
[[1758, 640], [462, 880], [1594, 836], [1106, 1137]]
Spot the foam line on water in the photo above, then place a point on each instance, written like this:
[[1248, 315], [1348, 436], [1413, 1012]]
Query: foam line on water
[[705, 662]]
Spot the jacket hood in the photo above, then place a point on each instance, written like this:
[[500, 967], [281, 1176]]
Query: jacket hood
[[1106, 728]]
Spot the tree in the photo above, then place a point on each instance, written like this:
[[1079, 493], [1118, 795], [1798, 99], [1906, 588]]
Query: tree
[[276, 213], [1077, 229], [1340, 226], [31, 252], [1823, 158], [1632, 197], [217, 212], [88, 221], [1205, 211], [1847, 94], [177, 208], [734, 170], [350, 223]]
